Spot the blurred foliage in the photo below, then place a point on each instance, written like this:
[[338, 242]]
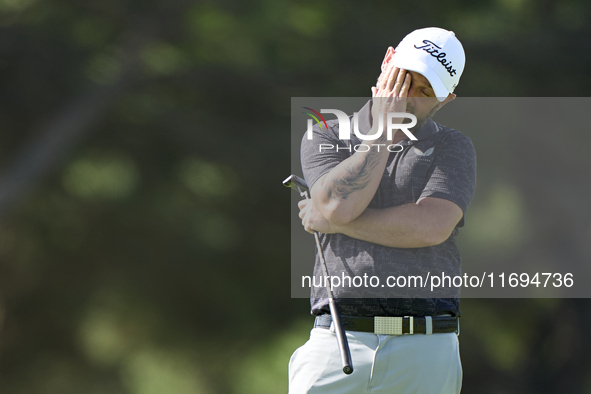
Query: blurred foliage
[[146, 250]]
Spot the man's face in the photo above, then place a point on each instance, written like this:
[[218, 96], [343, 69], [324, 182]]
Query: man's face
[[422, 101]]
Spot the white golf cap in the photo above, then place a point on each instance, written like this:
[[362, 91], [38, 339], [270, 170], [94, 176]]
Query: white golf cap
[[436, 54]]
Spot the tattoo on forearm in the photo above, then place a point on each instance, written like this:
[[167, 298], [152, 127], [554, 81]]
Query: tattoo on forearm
[[354, 177]]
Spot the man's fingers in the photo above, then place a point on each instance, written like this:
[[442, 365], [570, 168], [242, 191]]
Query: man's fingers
[[405, 86], [380, 78], [302, 204], [302, 214], [392, 79], [399, 82], [393, 82], [307, 226], [383, 78]]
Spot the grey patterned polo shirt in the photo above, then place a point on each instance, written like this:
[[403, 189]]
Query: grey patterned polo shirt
[[442, 164]]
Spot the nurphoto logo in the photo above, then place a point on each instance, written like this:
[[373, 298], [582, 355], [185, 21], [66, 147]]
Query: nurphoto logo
[[345, 129]]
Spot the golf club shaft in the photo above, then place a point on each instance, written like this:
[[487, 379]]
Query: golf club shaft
[[334, 310], [336, 316]]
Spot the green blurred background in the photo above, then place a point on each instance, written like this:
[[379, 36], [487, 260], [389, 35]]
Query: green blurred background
[[144, 233]]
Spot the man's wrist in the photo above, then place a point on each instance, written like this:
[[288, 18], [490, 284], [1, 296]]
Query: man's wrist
[[340, 228]]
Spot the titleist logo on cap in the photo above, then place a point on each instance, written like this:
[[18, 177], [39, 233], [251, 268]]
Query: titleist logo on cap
[[433, 49]]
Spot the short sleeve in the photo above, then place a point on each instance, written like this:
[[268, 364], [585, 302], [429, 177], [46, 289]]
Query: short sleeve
[[452, 175], [322, 153]]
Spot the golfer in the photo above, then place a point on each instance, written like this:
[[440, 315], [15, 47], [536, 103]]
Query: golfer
[[391, 208]]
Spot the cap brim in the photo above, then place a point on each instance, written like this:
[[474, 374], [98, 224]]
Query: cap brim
[[411, 64]]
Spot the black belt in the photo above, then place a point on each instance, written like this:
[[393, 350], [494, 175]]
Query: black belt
[[394, 325]]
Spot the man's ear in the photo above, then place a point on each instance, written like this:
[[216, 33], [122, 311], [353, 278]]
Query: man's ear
[[388, 58], [449, 98]]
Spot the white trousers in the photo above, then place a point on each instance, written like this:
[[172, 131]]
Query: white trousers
[[400, 364]]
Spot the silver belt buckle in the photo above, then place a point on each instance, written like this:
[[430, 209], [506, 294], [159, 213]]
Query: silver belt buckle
[[384, 325]]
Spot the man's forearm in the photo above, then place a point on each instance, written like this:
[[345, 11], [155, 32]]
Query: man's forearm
[[346, 191], [405, 226]]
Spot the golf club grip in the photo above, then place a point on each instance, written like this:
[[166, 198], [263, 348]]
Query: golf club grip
[[341, 338]]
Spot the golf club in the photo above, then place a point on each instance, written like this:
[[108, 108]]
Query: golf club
[[301, 187]]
